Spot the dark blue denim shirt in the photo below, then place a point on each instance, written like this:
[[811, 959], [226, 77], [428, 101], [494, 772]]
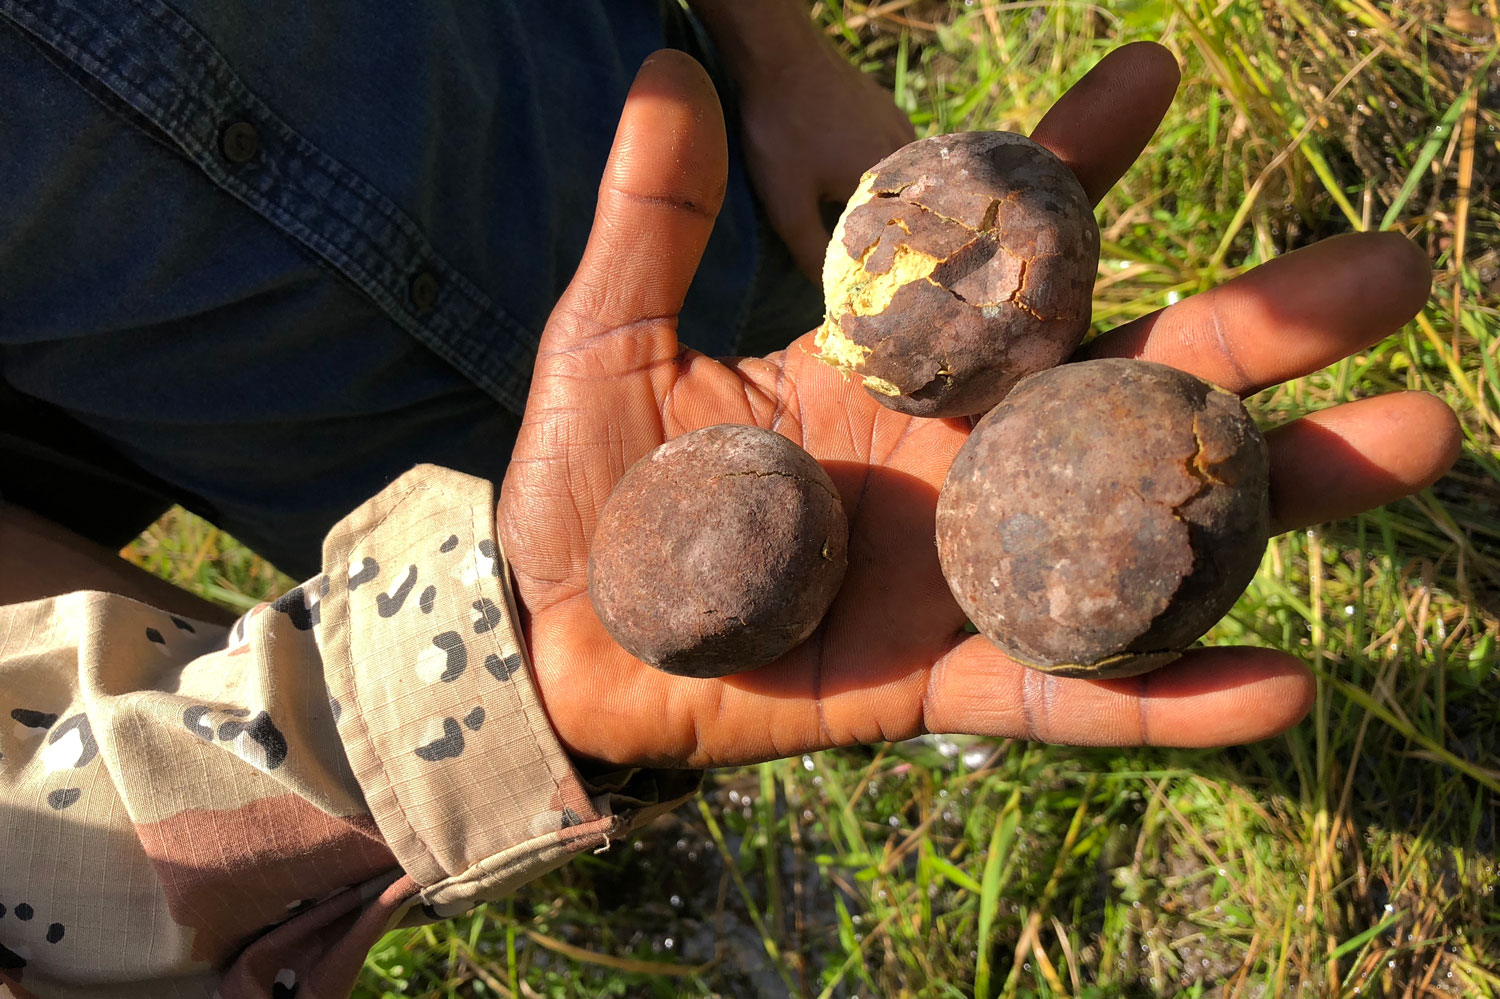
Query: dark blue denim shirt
[[276, 252]]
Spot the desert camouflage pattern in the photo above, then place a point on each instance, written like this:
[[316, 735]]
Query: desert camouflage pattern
[[187, 811]]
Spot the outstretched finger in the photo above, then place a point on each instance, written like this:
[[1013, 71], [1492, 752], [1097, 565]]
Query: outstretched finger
[[1355, 457], [1285, 318], [1209, 697], [1103, 122], [610, 346], [662, 189]]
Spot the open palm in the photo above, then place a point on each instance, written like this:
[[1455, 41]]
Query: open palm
[[891, 659]]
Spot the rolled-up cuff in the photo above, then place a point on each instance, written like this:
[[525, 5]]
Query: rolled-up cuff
[[436, 706]]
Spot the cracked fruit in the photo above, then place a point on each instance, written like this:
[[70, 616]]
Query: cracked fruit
[[962, 263], [1104, 516], [718, 552]]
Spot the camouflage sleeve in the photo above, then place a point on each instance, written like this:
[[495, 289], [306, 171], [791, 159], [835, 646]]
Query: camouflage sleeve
[[186, 811]]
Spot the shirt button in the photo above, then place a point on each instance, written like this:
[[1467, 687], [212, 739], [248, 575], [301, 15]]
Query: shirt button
[[240, 142], [423, 291]]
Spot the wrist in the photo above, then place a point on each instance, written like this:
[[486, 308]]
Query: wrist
[[760, 41]]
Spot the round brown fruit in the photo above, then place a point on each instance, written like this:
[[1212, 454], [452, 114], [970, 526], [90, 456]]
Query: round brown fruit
[[718, 552], [1104, 516], [962, 264]]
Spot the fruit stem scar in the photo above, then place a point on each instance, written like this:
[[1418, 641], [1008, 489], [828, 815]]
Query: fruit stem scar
[[1197, 469], [991, 214]]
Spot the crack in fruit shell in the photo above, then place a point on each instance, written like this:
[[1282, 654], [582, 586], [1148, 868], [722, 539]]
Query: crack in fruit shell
[[962, 263], [1105, 511]]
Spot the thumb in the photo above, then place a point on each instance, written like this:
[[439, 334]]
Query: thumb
[[609, 347], [662, 189]]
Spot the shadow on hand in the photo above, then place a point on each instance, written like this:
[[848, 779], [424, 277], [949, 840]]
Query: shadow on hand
[[894, 613]]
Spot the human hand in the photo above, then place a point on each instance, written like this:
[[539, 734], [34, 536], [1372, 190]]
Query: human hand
[[891, 659], [812, 124]]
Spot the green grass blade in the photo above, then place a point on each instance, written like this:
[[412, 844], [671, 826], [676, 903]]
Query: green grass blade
[[1441, 133], [993, 882]]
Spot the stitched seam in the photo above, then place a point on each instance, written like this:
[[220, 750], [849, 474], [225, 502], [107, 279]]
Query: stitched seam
[[174, 23], [610, 827], [354, 689], [492, 643], [438, 331]]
